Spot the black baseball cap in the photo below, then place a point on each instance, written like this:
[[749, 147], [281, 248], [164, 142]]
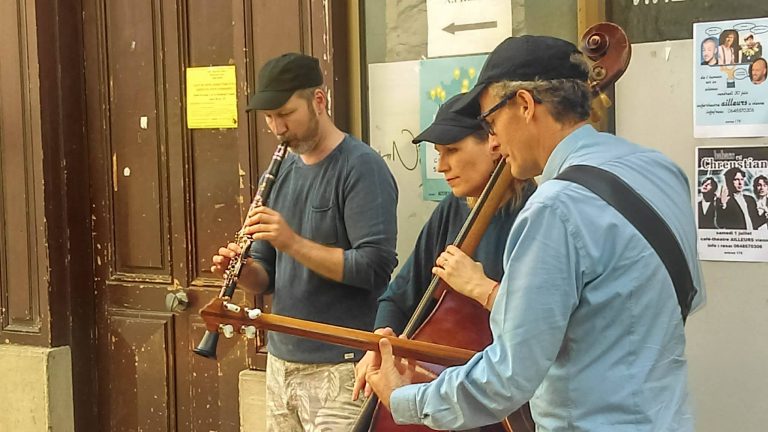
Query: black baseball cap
[[281, 76], [523, 58], [448, 126]]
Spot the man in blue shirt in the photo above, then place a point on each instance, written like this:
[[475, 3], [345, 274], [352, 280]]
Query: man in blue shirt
[[587, 327]]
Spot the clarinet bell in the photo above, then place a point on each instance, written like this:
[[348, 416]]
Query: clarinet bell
[[207, 345]]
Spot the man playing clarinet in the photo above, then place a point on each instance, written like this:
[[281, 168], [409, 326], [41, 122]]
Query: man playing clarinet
[[324, 246]]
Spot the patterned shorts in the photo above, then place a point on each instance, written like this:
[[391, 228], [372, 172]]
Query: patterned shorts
[[310, 397]]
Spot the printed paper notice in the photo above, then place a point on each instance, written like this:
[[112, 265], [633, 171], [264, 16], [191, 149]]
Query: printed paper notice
[[211, 97], [732, 204], [730, 90]]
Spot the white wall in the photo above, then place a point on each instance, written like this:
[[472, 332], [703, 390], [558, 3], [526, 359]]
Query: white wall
[[728, 338], [394, 121]]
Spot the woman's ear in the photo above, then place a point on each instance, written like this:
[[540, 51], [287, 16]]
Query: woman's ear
[[493, 147], [495, 152]]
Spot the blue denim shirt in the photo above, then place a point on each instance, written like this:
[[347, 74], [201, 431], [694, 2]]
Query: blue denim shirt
[[587, 326]]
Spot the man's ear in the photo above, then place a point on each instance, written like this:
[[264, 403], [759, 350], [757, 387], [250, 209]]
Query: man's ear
[[524, 101], [319, 101]]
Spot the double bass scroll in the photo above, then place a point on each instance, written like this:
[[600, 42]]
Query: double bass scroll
[[607, 46]]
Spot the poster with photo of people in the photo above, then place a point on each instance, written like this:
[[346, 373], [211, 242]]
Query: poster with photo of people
[[732, 203], [730, 93]]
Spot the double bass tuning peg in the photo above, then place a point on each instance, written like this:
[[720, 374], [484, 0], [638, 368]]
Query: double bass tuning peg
[[249, 331], [227, 330], [232, 307]]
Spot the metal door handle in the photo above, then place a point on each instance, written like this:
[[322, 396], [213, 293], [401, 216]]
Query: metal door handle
[[176, 301]]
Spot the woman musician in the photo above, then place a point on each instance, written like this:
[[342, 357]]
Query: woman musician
[[467, 162]]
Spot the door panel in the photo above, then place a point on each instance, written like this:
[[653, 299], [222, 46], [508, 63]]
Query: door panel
[[135, 99], [166, 197], [128, 129], [140, 344], [23, 272]]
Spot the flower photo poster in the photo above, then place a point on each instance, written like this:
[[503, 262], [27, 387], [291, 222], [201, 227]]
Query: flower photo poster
[[730, 92], [732, 203]]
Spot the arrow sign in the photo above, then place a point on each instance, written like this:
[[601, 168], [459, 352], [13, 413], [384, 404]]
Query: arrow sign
[[450, 24], [452, 28]]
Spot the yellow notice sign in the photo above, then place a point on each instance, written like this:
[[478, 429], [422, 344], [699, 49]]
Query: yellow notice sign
[[211, 97]]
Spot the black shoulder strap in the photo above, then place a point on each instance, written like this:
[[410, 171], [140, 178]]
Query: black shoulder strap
[[645, 219]]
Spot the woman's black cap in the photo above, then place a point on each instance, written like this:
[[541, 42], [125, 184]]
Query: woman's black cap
[[448, 126]]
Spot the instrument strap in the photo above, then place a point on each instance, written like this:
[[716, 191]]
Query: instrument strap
[[619, 195]]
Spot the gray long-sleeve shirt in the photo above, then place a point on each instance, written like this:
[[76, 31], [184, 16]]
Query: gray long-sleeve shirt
[[349, 201]]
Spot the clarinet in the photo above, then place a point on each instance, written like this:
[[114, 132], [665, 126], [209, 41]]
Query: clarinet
[[207, 346]]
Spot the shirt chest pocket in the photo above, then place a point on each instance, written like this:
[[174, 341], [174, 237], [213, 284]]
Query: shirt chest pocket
[[322, 220]]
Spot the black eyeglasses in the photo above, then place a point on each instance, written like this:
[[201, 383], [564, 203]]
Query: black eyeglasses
[[482, 117]]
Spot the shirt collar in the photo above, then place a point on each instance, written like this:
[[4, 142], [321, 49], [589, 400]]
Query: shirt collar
[[557, 160]]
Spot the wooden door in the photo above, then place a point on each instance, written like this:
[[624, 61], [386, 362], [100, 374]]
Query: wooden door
[[166, 197]]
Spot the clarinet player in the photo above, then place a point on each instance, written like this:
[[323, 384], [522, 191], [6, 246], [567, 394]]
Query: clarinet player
[[324, 246]]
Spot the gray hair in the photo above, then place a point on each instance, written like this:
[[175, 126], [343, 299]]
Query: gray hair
[[569, 100]]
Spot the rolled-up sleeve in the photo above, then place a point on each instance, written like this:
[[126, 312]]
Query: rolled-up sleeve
[[370, 218], [264, 253]]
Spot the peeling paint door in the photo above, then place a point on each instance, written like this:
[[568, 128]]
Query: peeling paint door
[[165, 197]]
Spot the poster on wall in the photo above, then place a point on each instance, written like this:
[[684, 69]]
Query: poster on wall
[[732, 203], [730, 95], [211, 97], [439, 79]]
